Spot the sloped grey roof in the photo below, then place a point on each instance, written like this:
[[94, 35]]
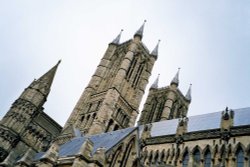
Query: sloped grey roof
[[72, 147], [242, 117], [200, 122], [107, 140], [164, 128], [38, 156], [196, 123]]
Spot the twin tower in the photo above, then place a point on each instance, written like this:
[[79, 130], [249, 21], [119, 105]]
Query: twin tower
[[109, 102]]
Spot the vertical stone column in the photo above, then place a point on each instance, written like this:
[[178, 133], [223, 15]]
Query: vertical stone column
[[168, 105], [121, 74]]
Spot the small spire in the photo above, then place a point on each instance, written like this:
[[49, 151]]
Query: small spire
[[176, 78], [117, 39], [45, 81], [188, 95], [155, 51], [155, 84], [139, 32]]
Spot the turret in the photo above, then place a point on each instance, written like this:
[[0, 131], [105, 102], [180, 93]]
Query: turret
[[116, 41], [175, 80], [139, 33], [155, 51], [188, 95], [155, 84]]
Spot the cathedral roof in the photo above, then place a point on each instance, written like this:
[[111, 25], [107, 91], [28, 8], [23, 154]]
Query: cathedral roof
[[106, 140], [200, 122]]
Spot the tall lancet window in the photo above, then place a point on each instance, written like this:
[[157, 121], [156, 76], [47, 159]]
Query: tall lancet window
[[207, 158], [197, 158], [240, 157], [160, 110], [185, 159], [138, 75], [131, 68], [152, 111]]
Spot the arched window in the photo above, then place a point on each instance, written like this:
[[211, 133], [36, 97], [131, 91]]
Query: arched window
[[160, 110], [185, 160], [116, 127], [207, 158], [240, 157], [82, 119], [116, 113], [93, 118], [109, 125], [131, 68], [156, 157], [89, 108], [153, 108], [150, 157], [98, 105], [197, 158], [162, 156], [127, 153], [138, 75]]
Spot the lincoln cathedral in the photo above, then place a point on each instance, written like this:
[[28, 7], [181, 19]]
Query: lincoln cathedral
[[102, 130]]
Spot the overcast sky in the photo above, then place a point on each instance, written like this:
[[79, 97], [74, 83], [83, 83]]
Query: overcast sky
[[208, 39]]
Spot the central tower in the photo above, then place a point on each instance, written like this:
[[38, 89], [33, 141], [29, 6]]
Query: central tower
[[113, 95]]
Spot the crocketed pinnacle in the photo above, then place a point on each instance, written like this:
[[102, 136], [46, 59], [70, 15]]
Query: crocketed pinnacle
[[155, 84], [43, 84], [188, 95], [155, 51], [117, 39], [139, 32], [176, 78]]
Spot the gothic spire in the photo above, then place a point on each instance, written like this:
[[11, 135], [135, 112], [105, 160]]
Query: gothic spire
[[175, 80], [139, 32], [45, 81], [188, 95], [117, 39], [155, 51], [155, 84]]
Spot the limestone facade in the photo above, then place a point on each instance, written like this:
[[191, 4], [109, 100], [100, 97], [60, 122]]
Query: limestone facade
[[100, 132]]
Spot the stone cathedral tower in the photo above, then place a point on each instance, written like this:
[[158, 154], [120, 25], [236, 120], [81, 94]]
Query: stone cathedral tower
[[26, 126], [100, 131], [113, 95], [165, 103]]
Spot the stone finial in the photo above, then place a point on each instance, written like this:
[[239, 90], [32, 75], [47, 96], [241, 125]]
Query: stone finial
[[117, 39], [182, 126], [139, 32], [155, 51], [227, 120], [155, 84], [188, 95], [146, 133], [175, 80]]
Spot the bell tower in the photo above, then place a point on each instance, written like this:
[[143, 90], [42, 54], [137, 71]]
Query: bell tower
[[112, 97], [165, 103]]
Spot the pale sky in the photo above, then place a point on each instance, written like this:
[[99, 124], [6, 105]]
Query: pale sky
[[208, 39]]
